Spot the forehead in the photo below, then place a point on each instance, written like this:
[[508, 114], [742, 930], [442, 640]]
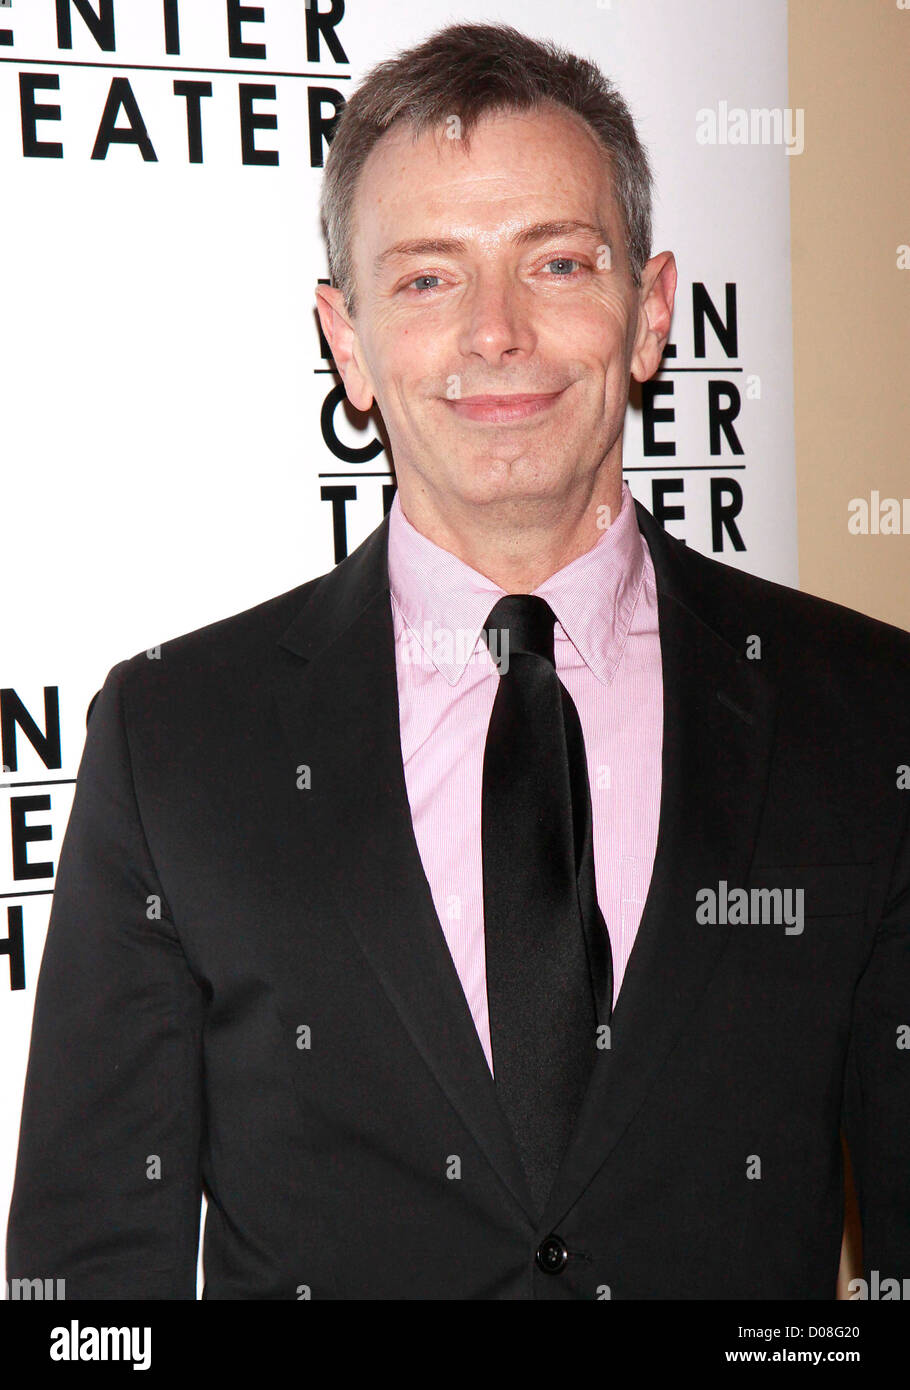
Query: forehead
[[516, 165]]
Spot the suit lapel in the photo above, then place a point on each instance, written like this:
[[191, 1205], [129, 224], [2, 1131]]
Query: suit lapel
[[335, 675], [717, 739]]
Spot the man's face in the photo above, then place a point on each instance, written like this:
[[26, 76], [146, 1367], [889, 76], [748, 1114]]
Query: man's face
[[474, 281]]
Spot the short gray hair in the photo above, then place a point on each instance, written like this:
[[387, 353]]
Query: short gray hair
[[471, 70]]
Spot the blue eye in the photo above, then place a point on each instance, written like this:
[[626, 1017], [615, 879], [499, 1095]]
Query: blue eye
[[417, 280], [562, 260]]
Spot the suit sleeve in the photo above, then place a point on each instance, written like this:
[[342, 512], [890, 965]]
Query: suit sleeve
[[107, 1186], [877, 1084]]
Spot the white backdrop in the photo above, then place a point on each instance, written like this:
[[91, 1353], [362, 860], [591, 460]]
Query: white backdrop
[[165, 437]]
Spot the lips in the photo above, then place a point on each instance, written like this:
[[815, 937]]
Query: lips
[[504, 409]]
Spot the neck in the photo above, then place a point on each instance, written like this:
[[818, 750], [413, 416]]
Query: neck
[[516, 544]]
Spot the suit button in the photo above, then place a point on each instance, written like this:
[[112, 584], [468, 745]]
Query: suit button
[[552, 1255]]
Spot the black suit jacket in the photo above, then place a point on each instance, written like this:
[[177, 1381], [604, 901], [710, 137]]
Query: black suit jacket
[[246, 991]]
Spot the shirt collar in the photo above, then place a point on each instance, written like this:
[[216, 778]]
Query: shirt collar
[[445, 602]]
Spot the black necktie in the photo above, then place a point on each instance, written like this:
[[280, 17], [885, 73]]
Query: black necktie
[[548, 959]]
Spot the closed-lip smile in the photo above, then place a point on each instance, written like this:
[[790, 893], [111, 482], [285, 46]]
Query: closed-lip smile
[[503, 409]]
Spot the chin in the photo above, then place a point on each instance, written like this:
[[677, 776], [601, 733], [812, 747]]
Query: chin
[[521, 480]]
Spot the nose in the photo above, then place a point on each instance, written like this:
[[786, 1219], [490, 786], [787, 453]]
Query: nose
[[497, 318]]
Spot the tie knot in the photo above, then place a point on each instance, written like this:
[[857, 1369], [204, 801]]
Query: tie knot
[[520, 623]]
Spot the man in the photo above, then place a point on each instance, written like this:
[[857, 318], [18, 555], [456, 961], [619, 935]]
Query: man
[[546, 963]]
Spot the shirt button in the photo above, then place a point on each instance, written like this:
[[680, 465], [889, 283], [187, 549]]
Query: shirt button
[[552, 1255]]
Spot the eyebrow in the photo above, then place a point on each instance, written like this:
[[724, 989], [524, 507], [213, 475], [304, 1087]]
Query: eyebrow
[[453, 246]]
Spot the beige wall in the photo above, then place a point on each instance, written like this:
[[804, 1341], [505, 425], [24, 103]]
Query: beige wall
[[850, 211]]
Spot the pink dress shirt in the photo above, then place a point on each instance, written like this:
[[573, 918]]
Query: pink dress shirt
[[607, 650]]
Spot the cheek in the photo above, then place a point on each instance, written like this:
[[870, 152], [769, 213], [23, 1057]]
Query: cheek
[[593, 327], [394, 351], [404, 340]]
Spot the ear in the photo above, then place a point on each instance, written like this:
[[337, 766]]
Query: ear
[[655, 312], [346, 351]]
